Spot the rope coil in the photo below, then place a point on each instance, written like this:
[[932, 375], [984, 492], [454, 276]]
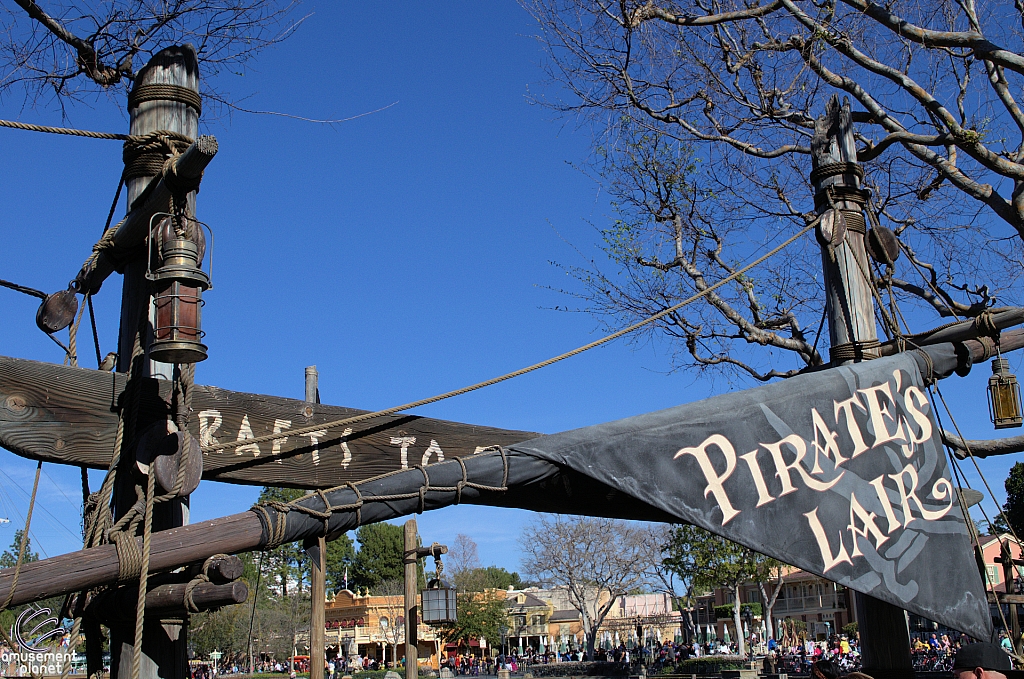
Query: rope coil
[[140, 94], [834, 169], [854, 351]]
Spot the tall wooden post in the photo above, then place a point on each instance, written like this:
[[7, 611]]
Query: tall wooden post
[[885, 637], [411, 560], [318, 576], [163, 641]]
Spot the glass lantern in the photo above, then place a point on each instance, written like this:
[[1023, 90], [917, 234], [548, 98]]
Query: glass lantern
[[179, 283], [438, 603], [1003, 396]]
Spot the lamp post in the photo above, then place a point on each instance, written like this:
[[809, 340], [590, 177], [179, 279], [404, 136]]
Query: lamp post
[[748, 624], [438, 598]]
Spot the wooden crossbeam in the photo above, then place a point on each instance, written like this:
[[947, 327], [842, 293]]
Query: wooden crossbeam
[[69, 416]]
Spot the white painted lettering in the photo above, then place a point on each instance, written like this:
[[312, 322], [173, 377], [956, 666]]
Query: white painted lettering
[[783, 470], [883, 498], [870, 529], [209, 423], [715, 479], [346, 458], [846, 407], [279, 426], [763, 496], [825, 442], [830, 560], [405, 442], [244, 434], [314, 438], [432, 449], [914, 400], [878, 412]]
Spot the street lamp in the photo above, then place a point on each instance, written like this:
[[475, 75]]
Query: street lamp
[[504, 637]]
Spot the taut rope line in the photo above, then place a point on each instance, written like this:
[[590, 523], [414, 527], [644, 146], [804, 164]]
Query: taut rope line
[[536, 366]]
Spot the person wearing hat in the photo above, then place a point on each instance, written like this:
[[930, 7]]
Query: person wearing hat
[[982, 660]]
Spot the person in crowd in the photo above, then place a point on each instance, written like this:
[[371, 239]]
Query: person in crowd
[[982, 660]]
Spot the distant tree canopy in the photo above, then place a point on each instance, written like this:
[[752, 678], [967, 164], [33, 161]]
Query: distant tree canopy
[[10, 556], [1014, 507], [379, 559]]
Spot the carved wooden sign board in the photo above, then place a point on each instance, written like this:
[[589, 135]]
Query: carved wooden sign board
[[69, 416]]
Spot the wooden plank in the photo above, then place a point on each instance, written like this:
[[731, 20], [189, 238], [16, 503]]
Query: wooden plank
[[68, 415]]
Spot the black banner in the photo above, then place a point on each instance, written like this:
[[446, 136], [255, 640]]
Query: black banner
[[839, 472]]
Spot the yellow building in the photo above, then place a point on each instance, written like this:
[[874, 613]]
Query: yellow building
[[374, 627]]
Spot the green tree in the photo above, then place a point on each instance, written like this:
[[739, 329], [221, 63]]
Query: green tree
[[712, 561], [10, 557], [381, 546], [285, 565], [338, 561], [1014, 507], [499, 578], [480, 615]]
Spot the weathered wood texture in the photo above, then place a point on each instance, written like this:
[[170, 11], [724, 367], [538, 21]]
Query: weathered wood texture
[[164, 600], [68, 415], [318, 572], [848, 294], [163, 645], [96, 566]]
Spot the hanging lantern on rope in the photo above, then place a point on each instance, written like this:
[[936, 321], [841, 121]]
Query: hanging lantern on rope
[[178, 286], [1003, 396], [438, 599]]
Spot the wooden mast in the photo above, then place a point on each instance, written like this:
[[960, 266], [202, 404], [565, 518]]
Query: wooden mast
[[885, 638], [318, 578], [410, 563], [164, 647]]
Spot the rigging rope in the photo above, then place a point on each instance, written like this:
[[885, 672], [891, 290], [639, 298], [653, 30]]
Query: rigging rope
[[21, 553], [63, 130], [522, 371], [23, 289]]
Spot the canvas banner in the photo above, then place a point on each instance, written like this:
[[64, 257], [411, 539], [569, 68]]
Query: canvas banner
[[840, 472]]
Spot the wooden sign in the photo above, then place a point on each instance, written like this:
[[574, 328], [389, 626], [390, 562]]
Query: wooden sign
[[69, 416]]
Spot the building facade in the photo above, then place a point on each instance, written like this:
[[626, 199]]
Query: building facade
[[374, 627]]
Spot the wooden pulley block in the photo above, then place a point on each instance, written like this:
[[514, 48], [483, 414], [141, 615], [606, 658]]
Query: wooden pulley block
[[882, 245], [832, 228], [57, 311], [162, 452]]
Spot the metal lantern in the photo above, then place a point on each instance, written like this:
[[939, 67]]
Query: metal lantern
[[1003, 396], [179, 284], [438, 603]]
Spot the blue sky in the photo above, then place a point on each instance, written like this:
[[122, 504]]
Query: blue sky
[[404, 253]]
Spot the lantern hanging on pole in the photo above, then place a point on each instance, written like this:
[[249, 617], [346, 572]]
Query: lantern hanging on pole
[[1003, 396], [177, 297], [438, 599]]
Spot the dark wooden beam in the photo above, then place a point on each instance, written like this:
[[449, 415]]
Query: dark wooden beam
[[69, 416], [98, 565]]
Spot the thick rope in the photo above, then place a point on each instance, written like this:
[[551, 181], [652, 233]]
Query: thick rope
[[24, 541], [165, 92], [536, 366], [63, 130], [140, 607], [72, 355]]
